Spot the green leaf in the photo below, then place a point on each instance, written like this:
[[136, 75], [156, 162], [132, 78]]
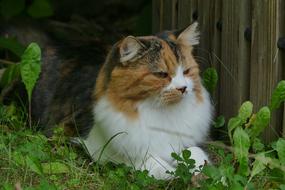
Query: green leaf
[[45, 185], [34, 165], [280, 148], [10, 8], [241, 147], [212, 172], [13, 45], [55, 168], [257, 167], [186, 154], [210, 79], [18, 158], [273, 145], [257, 145], [220, 122], [176, 157], [282, 187], [30, 67], [261, 121], [11, 73], [40, 9], [232, 124], [278, 96], [245, 111], [273, 163], [182, 171], [7, 186], [190, 163]]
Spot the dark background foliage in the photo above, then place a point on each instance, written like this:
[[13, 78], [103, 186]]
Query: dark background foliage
[[77, 20], [116, 15]]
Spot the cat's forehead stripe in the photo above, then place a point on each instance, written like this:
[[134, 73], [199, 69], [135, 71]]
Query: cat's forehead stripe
[[169, 58], [174, 47], [170, 39]]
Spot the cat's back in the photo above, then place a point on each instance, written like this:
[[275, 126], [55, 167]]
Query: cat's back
[[63, 93]]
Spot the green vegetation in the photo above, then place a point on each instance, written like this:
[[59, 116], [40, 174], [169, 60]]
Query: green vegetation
[[32, 161], [37, 162], [29, 160], [210, 79], [37, 9]]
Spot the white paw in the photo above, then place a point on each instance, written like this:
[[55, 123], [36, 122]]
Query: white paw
[[157, 167], [199, 156]]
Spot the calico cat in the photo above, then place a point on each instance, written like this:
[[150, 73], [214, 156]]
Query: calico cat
[[145, 102]]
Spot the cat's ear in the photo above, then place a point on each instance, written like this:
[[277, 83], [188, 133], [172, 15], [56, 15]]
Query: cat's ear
[[129, 48], [190, 35]]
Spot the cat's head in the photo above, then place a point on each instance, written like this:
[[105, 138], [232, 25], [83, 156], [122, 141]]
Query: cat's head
[[159, 67]]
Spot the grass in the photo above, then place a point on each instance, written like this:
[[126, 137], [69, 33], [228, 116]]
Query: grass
[[32, 161], [29, 160]]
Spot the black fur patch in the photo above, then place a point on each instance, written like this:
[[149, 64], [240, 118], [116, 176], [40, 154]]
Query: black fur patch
[[63, 93], [173, 46]]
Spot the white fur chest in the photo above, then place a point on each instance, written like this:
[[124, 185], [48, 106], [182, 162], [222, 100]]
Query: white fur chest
[[157, 131]]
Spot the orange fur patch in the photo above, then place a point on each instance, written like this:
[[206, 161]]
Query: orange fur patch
[[168, 62], [130, 85], [172, 37]]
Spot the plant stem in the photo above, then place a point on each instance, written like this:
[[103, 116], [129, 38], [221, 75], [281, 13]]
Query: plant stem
[[6, 62], [30, 116], [8, 89]]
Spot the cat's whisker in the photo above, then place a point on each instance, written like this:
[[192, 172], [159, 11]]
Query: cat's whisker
[[227, 69], [201, 59]]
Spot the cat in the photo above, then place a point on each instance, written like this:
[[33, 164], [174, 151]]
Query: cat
[[145, 102]]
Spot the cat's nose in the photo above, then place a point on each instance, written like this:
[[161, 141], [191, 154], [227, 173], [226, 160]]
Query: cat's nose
[[182, 89]]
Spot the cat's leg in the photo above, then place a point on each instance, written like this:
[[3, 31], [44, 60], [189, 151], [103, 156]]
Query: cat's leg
[[157, 167], [199, 156]]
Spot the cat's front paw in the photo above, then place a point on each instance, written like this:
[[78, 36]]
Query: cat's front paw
[[199, 156], [157, 167]]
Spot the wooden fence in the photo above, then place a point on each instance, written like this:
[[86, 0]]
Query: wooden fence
[[243, 40]]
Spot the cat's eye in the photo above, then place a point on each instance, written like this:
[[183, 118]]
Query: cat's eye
[[187, 71], [161, 74]]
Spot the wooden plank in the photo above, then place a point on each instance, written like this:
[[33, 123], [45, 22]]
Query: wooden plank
[[216, 26], [234, 72], [174, 13], [184, 13], [265, 70], [164, 15], [281, 53], [157, 15], [215, 55], [186, 9], [205, 19], [169, 14]]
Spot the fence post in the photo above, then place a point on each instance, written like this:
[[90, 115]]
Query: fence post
[[281, 52], [235, 53], [265, 70]]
